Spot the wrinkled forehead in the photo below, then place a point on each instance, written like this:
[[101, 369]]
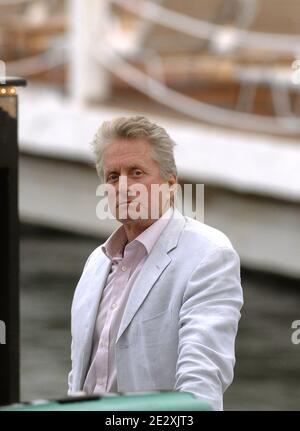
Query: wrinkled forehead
[[127, 154]]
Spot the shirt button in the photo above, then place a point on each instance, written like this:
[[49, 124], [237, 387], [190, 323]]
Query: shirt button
[[100, 382], [124, 268], [114, 305]]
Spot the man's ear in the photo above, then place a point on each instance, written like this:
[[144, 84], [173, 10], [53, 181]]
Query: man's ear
[[172, 187], [172, 181]]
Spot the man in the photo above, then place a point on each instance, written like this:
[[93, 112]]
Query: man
[[158, 304]]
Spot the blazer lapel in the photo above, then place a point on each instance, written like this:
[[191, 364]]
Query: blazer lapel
[[155, 264]]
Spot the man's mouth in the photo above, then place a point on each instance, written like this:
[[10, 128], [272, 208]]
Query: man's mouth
[[124, 203]]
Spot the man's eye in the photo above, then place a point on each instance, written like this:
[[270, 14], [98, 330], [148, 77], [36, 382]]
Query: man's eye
[[112, 177], [137, 172]]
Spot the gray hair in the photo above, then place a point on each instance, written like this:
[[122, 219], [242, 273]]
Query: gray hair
[[132, 128]]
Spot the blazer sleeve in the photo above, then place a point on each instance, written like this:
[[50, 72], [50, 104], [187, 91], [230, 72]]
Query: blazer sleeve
[[71, 372], [70, 375], [208, 323]]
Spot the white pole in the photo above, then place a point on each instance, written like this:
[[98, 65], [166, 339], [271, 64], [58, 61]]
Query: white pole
[[87, 79]]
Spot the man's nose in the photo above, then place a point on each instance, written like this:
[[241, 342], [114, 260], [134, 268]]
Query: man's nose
[[123, 187], [126, 180]]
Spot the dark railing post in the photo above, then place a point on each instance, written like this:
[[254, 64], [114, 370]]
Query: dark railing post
[[9, 242]]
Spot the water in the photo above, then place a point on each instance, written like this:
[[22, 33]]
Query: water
[[267, 373]]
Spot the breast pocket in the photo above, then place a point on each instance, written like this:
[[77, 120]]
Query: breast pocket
[[155, 329]]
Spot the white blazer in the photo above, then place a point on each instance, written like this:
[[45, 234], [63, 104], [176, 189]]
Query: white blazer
[[180, 322]]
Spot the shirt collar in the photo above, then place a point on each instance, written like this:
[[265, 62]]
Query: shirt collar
[[114, 246], [150, 235]]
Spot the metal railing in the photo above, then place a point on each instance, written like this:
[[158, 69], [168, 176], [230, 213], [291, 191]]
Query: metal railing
[[109, 54]]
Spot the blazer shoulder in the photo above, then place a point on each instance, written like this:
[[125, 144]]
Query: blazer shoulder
[[95, 257], [205, 236]]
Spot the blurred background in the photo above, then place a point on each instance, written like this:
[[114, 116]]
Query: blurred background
[[223, 77]]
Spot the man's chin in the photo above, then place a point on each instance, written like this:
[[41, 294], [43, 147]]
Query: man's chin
[[131, 220], [127, 213], [126, 217]]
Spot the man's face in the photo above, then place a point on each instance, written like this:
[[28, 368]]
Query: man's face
[[132, 161]]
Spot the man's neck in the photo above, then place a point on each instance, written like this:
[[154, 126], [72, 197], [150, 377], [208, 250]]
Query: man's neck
[[133, 228]]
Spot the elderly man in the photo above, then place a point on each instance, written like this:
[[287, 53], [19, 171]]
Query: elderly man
[[158, 304]]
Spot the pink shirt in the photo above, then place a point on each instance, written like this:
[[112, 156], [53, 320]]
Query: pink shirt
[[127, 261]]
